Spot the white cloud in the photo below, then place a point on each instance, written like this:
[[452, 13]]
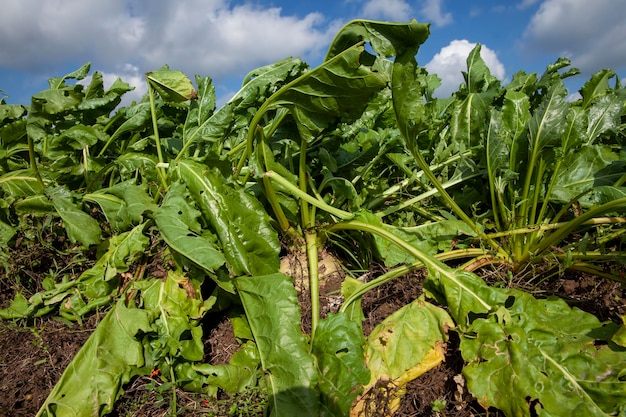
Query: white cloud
[[573, 97], [591, 33], [225, 40], [36, 35], [451, 60], [397, 10], [431, 10], [206, 37]]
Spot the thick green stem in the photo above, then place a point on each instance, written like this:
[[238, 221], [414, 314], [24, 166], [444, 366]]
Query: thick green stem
[[302, 184], [544, 207], [270, 193], [157, 141], [554, 226], [388, 276], [425, 195], [421, 162], [310, 238], [403, 270], [296, 192], [112, 137], [33, 161], [594, 270], [434, 265], [570, 227], [532, 217], [522, 215]]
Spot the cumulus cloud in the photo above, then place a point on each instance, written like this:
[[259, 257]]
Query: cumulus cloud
[[225, 40], [36, 34], [397, 10], [432, 11], [591, 34], [451, 60], [207, 37]]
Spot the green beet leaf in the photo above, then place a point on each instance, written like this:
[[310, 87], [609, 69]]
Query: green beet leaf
[[403, 339], [80, 226], [20, 183], [531, 357], [271, 306], [339, 88], [113, 207], [248, 241], [123, 204], [338, 347], [122, 251], [178, 223], [177, 307], [229, 125], [172, 85], [230, 378], [93, 380], [590, 167], [387, 39]]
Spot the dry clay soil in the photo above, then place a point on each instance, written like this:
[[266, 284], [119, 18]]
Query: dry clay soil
[[34, 354]]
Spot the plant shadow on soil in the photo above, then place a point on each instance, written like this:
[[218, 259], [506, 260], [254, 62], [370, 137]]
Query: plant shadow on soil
[[34, 354]]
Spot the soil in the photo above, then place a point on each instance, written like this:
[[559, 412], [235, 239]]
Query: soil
[[35, 353]]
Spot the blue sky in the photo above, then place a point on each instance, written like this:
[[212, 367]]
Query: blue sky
[[225, 39]]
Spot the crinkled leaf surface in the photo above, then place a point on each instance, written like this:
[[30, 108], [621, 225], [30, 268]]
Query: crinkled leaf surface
[[546, 126], [178, 223], [122, 204], [338, 347], [478, 77], [528, 356], [591, 166], [229, 124], [607, 194], [200, 110], [387, 38], [241, 372], [518, 362], [112, 355], [20, 183], [248, 241], [271, 305], [405, 345], [113, 208], [80, 226], [430, 237], [122, 251], [172, 85], [339, 88], [138, 117], [603, 115], [404, 338], [178, 309], [230, 378], [596, 86]]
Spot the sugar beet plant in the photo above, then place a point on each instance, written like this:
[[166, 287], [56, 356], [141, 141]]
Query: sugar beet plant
[[553, 169], [355, 154]]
